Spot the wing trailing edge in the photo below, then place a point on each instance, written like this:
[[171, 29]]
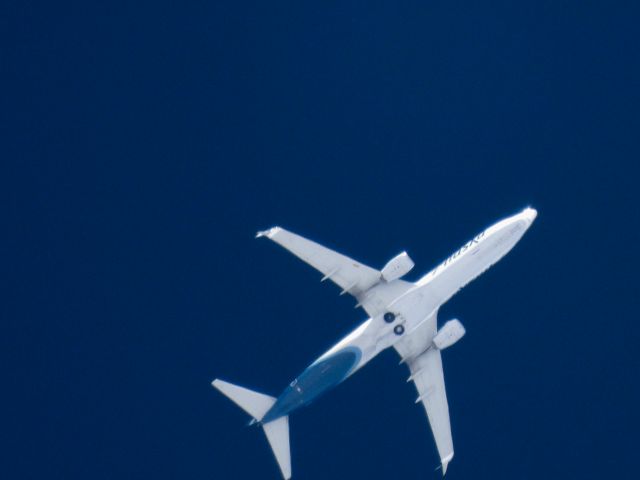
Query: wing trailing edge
[[366, 284], [425, 363]]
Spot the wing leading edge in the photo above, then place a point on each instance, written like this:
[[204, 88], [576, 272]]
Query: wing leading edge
[[374, 295], [425, 364], [365, 283]]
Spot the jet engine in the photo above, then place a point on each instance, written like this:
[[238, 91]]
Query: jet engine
[[397, 267], [450, 333]]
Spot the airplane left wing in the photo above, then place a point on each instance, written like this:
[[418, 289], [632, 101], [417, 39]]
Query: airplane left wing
[[365, 283], [425, 364]]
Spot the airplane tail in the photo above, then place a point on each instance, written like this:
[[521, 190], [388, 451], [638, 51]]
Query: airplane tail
[[257, 404], [277, 433]]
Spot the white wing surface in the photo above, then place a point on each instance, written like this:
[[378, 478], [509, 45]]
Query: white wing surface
[[363, 282], [425, 364]]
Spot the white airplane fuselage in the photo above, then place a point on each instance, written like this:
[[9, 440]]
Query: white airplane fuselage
[[407, 313]]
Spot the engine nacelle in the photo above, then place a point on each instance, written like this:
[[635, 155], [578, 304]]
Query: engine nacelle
[[397, 267], [450, 333]]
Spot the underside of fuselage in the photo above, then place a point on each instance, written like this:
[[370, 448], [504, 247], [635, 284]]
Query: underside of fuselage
[[402, 315], [317, 379]]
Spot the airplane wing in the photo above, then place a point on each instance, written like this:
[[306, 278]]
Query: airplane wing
[[363, 282], [425, 364]]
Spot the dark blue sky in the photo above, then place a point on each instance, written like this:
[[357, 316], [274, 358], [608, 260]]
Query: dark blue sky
[[144, 144]]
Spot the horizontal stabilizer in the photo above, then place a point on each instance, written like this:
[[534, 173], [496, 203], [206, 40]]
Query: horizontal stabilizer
[[277, 433], [254, 403]]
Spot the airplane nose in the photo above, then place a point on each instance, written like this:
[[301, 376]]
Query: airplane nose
[[530, 214]]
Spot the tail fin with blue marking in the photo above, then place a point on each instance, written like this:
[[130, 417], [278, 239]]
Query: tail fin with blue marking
[[257, 405]]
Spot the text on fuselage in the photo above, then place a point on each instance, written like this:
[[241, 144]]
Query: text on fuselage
[[475, 240]]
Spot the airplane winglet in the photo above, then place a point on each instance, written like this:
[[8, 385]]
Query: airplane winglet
[[268, 233], [445, 462]]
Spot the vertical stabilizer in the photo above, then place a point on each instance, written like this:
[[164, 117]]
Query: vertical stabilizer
[[277, 433], [254, 403]]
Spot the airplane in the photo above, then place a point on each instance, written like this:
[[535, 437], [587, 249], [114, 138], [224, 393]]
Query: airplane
[[402, 315]]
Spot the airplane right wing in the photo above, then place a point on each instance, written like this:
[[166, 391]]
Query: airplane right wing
[[425, 364], [373, 293]]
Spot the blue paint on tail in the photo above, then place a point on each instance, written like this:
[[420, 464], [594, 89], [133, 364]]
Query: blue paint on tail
[[318, 378]]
